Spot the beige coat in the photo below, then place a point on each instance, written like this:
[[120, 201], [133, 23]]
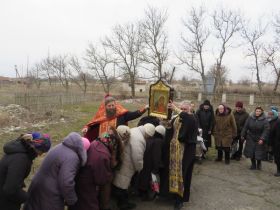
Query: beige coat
[[224, 129], [132, 158]]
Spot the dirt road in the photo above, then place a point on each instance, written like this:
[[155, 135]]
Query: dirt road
[[216, 186]]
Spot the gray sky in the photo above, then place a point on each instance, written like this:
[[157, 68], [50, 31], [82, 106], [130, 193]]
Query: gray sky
[[32, 28]]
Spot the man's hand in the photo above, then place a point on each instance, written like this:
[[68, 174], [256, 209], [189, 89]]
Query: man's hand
[[171, 105], [209, 132], [146, 107], [85, 130], [260, 142]]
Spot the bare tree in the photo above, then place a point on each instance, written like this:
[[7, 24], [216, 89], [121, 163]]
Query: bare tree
[[193, 42], [255, 48], [35, 75], [100, 62], [78, 76], [273, 59], [155, 40], [272, 52], [46, 68], [226, 24], [61, 70], [126, 44], [169, 76], [220, 74]]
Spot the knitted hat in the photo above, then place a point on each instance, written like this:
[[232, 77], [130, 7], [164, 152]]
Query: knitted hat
[[274, 108], [123, 131], [86, 143], [41, 142], [273, 112], [239, 104], [160, 129], [206, 102], [149, 129], [108, 98]]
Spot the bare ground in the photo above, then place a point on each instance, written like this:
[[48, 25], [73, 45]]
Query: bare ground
[[216, 186]]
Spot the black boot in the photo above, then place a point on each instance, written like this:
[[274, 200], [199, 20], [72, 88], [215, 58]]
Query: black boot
[[278, 170], [220, 155], [227, 155], [122, 199], [259, 164], [178, 203], [253, 166]]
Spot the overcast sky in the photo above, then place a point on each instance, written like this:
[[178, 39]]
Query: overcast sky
[[32, 28]]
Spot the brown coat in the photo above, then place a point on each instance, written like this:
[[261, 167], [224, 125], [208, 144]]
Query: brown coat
[[224, 129]]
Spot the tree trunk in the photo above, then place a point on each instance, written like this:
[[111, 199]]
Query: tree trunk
[[132, 86], [259, 82], [276, 84]]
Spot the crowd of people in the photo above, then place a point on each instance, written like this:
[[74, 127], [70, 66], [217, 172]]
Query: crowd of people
[[111, 160]]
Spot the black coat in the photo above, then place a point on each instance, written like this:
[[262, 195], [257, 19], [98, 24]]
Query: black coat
[[188, 135], [189, 128], [274, 137], [152, 161], [255, 128], [205, 120], [240, 120], [15, 166]]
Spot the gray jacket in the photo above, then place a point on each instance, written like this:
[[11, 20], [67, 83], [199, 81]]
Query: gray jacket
[[54, 184]]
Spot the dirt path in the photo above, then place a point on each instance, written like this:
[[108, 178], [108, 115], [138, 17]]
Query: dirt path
[[216, 186]]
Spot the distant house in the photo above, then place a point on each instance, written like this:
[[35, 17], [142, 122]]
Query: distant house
[[5, 80], [140, 86]]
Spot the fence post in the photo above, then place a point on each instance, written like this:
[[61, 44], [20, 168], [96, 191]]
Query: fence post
[[224, 98], [252, 99], [199, 97], [178, 95]]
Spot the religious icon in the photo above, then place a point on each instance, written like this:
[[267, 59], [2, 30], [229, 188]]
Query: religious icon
[[160, 94]]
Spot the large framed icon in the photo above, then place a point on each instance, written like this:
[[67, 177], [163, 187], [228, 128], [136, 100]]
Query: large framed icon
[[160, 94]]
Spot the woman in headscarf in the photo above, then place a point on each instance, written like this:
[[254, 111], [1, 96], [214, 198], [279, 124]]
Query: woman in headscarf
[[134, 149], [15, 166], [97, 172], [53, 186], [152, 163], [255, 131], [274, 137], [225, 131]]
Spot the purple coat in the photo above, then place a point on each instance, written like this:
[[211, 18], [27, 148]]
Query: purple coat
[[97, 172], [54, 184]]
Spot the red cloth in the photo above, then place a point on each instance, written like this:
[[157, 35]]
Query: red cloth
[[101, 118], [100, 115]]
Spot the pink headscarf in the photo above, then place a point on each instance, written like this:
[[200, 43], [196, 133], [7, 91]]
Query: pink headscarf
[[86, 143]]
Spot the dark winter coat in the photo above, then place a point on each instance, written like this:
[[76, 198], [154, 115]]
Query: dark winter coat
[[15, 166], [240, 120], [97, 172], [188, 135], [54, 185], [205, 120], [189, 128], [255, 128], [274, 136], [224, 129], [152, 161]]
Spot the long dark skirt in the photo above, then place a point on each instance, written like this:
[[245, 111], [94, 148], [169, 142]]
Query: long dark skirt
[[254, 150], [188, 163]]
